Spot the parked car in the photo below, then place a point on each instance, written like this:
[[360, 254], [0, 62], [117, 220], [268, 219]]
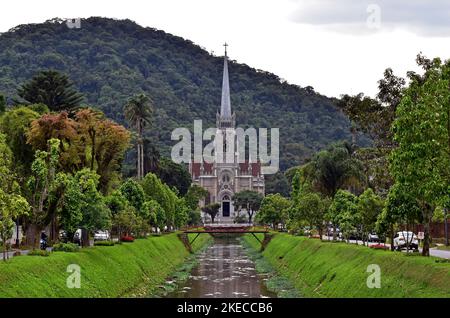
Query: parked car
[[372, 237], [101, 236], [63, 236], [406, 239], [330, 231], [77, 237]]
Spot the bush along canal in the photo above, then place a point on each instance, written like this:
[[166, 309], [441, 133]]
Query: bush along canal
[[224, 269]]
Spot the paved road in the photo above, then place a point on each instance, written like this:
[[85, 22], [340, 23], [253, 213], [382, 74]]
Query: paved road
[[433, 251]]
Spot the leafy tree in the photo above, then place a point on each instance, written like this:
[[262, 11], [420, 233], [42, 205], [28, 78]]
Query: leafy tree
[[88, 141], [152, 156], [174, 175], [12, 206], [343, 212], [290, 173], [401, 208], [126, 221], [362, 111], [133, 193], [2, 104], [311, 209], [277, 183], [369, 207], [43, 172], [116, 202], [66, 199], [109, 141], [50, 88], [212, 210], [165, 196], [154, 214], [335, 169], [181, 213], [274, 210], [248, 200], [96, 215], [138, 112], [56, 126], [15, 124], [193, 196], [421, 162]]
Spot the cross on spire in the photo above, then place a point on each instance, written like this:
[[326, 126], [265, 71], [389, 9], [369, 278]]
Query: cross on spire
[[225, 107]]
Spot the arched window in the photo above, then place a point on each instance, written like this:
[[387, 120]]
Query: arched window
[[226, 198], [226, 178]]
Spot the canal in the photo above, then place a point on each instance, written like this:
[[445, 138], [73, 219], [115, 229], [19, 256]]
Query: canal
[[223, 270]]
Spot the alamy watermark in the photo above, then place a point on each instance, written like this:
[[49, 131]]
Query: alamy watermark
[[73, 23], [374, 279], [74, 279], [227, 145], [374, 18]]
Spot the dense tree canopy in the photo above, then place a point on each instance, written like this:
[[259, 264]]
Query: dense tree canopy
[[111, 60], [50, 88], [421, 162]]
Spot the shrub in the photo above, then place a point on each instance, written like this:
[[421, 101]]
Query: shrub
[[104, 243], [379, 247], [38, 253], [127, 239], [66, 247]]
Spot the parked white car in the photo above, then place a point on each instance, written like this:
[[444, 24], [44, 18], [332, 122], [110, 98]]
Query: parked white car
[[402, 239], [372, 237], [101, 236]]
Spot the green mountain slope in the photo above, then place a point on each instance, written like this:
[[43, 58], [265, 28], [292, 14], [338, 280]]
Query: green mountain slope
[[109, 60]]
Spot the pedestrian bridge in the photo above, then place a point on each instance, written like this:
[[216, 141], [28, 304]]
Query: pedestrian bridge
[[225, 229]]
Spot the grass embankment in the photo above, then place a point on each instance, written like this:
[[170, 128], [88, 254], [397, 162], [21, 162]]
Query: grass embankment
[[106, 271], [325, 269]]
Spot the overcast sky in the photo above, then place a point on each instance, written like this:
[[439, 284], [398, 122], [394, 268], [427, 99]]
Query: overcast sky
[[335, 46]]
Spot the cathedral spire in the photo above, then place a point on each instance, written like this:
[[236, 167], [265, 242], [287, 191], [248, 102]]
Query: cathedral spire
[[225, 106]]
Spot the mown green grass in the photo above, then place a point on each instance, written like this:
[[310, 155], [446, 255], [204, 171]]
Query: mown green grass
[[113, 271], [325, 269]]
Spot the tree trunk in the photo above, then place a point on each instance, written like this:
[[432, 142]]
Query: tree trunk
[[142, 157], [334, 232], [428, 214], [138, 157], [85, 238], [250, 215], [93, 149], [32, 236], [391, 238], [4, 249]]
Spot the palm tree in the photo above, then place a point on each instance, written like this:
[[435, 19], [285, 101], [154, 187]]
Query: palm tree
[[335, 169], [138, 112]]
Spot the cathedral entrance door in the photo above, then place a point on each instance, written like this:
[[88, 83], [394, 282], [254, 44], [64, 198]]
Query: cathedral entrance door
[[226, 209]]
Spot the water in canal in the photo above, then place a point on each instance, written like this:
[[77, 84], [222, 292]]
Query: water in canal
[[223, 270]]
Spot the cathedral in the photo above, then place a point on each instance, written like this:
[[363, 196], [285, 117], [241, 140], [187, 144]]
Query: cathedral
[[223, 179]]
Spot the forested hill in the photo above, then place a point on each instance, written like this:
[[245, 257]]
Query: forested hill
[[110, 60]]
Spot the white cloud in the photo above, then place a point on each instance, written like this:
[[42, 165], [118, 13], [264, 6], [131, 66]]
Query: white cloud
[[423, 17]]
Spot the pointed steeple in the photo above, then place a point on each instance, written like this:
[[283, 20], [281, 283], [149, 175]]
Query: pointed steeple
[[225, 106]]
